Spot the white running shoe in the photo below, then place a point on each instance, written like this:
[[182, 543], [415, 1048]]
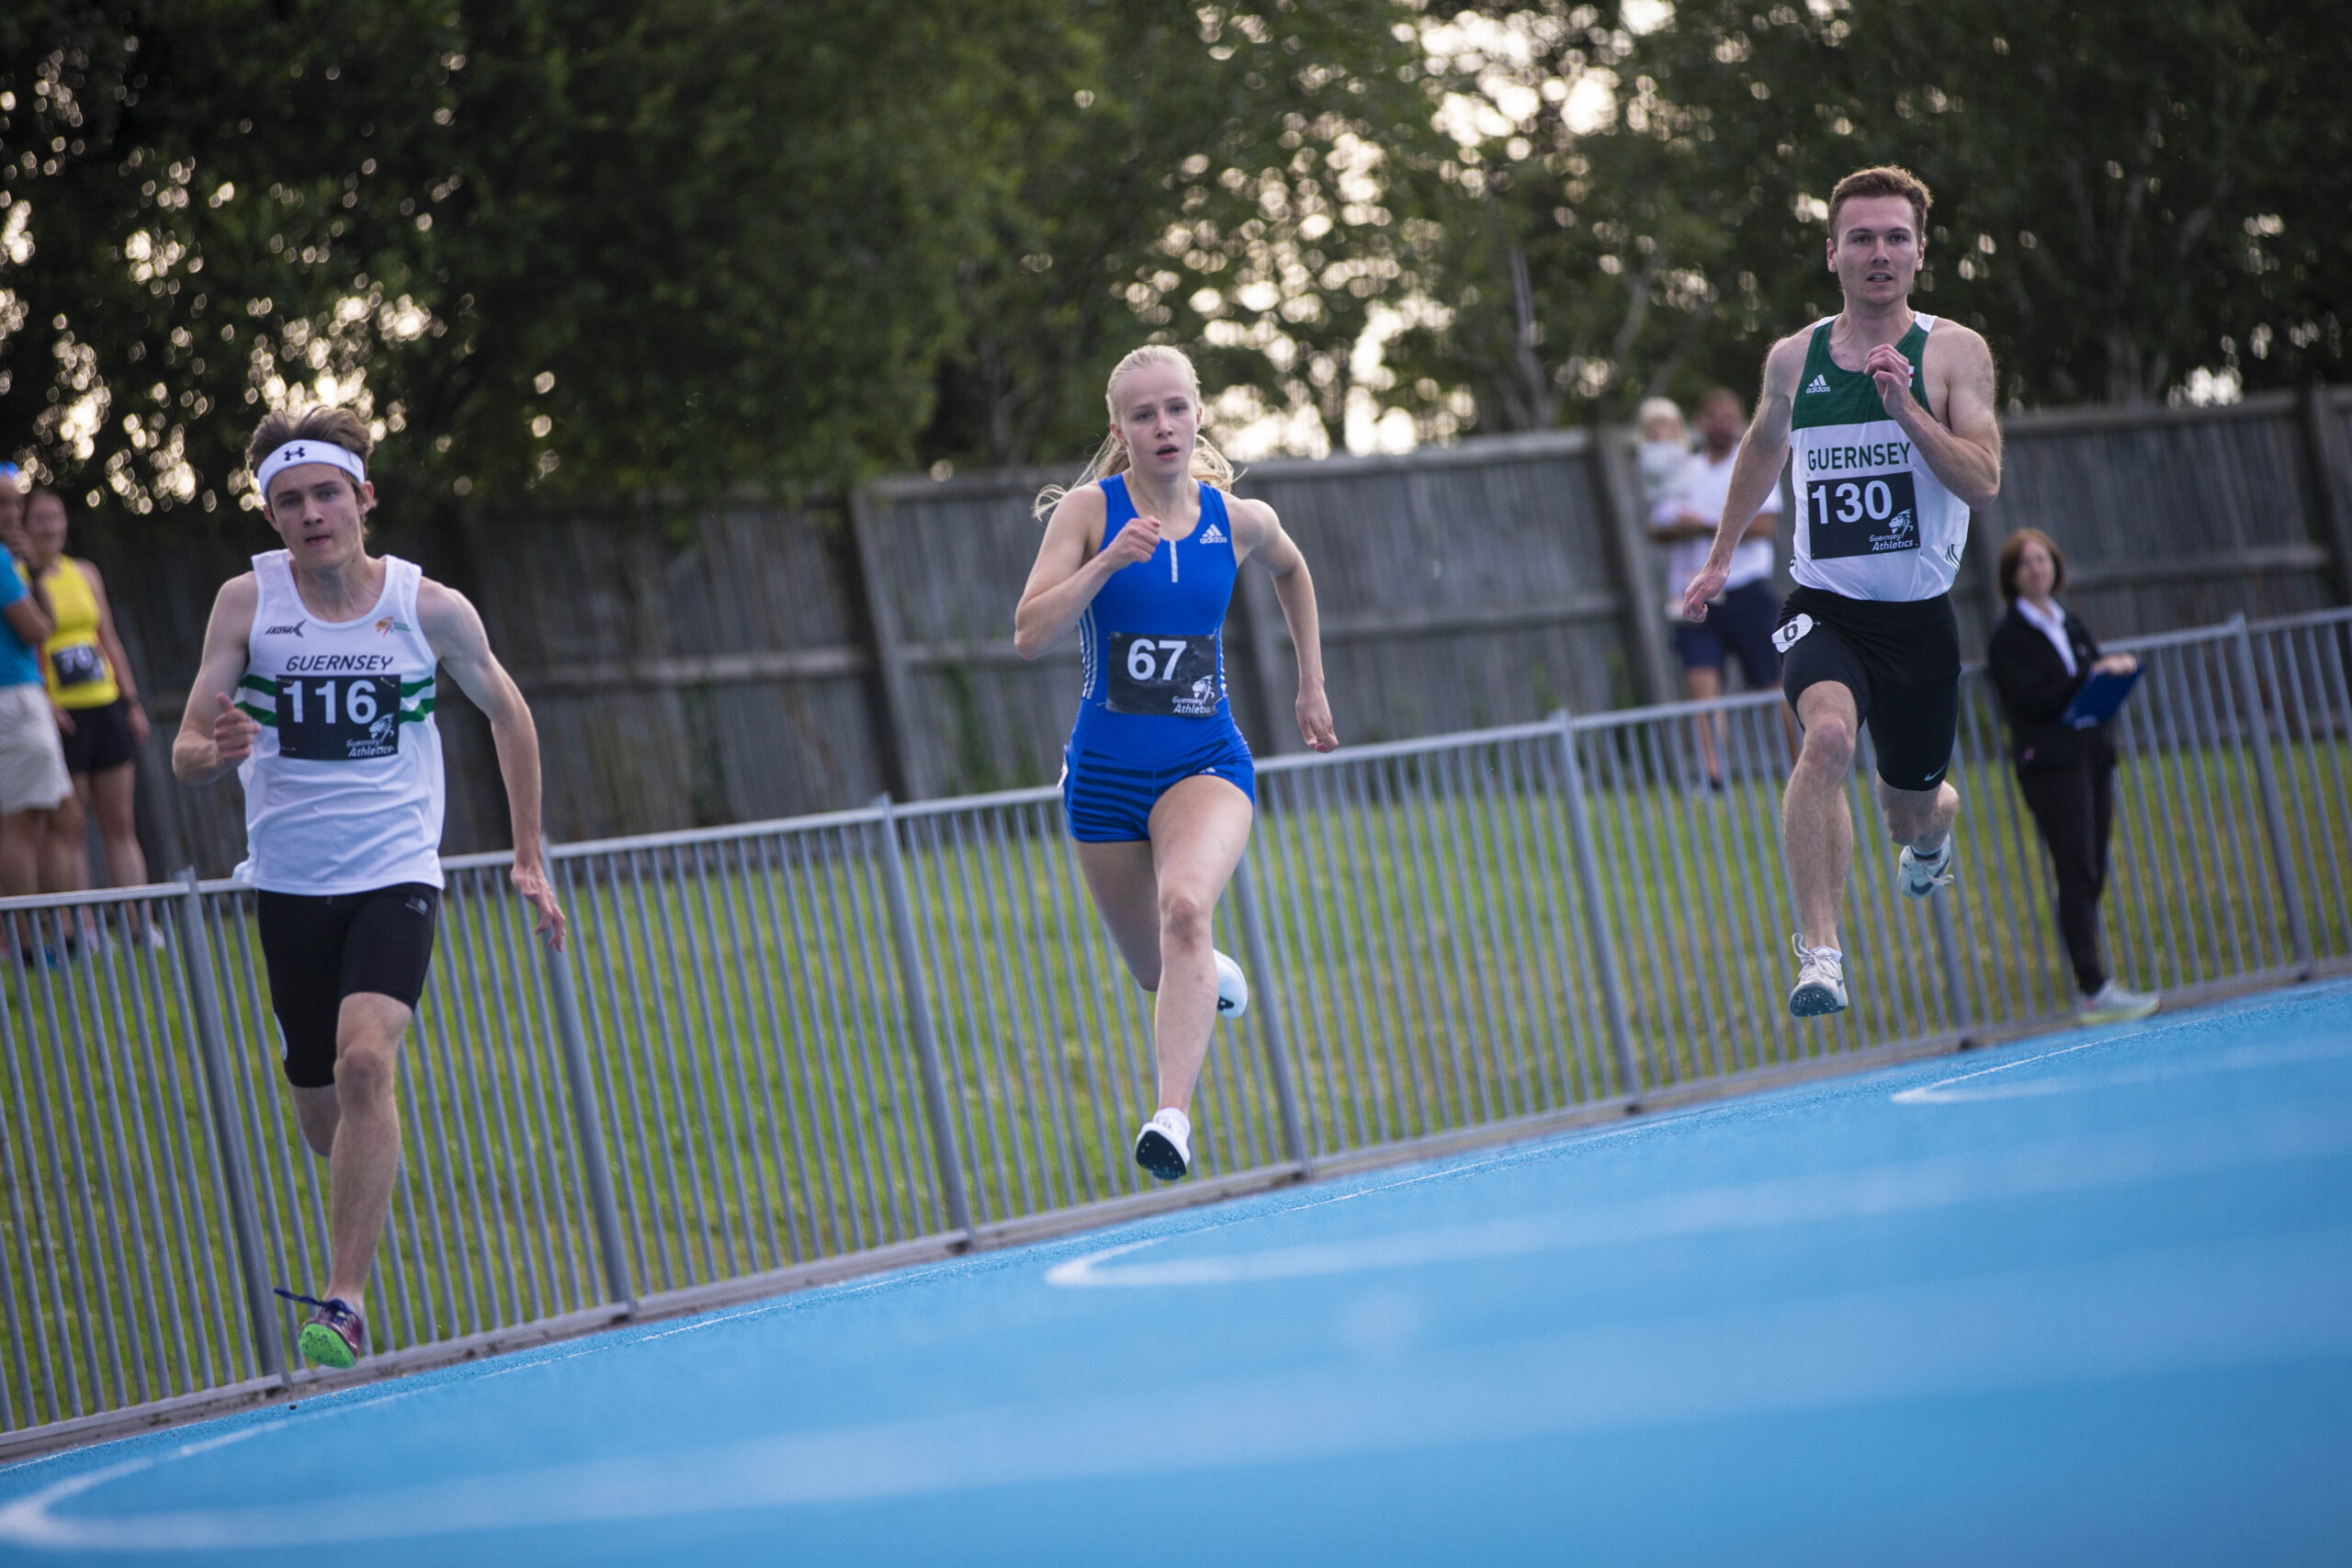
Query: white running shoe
[[1232, 987], [2112, 1004], [1821, 980], [1918, 875], [1164, 1147]]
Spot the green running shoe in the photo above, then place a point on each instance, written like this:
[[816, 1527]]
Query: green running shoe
[[333, 1335]]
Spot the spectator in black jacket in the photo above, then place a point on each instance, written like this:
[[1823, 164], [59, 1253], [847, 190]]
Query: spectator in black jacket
[[2039, 658]]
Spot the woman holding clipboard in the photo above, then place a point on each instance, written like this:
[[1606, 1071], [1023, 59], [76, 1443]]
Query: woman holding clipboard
[[2059, 694]]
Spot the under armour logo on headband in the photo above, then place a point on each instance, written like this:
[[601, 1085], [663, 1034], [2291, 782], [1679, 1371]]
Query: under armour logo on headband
[[295, 453]]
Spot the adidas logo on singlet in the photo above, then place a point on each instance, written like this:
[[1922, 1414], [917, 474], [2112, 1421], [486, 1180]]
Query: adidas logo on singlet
[[1820, 384], [1212, 534]]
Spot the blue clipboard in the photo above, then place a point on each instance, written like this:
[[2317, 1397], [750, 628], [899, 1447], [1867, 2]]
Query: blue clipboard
[[2099, 699]]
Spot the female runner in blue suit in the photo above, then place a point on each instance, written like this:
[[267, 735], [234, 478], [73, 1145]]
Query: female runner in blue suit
[[1140, 557]]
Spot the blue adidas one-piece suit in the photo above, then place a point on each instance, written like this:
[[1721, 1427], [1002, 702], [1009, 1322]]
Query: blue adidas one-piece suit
[[1154, 707]]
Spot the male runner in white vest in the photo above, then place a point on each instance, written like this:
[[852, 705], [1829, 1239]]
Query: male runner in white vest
[[317, 686], [1891, 417]]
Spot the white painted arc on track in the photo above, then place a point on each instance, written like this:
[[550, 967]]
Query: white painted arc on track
[[2161, 1311], [2314, 1131]]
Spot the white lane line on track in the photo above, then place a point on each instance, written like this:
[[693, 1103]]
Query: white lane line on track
[[2313, 1130], [2175, 1064], [2252, 1303]]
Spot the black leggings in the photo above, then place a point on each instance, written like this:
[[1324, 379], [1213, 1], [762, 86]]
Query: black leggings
[[2075, 808]]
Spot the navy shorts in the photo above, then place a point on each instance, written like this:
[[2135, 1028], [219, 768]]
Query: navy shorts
[[1740, 623], [1108, 798]]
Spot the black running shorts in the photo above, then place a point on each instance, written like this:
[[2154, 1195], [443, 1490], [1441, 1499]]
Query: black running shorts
[[100, 739], [320, 950], [1900, 659]]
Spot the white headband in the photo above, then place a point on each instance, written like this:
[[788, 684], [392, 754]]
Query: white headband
[[295, 453]]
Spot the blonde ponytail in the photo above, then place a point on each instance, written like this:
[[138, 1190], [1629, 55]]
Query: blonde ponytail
[[1210, 465]]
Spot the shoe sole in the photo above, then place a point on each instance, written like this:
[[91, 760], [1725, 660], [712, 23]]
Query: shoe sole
[[1812, 1001], [2119, 1015], [324, 1346], [1157, 1154]]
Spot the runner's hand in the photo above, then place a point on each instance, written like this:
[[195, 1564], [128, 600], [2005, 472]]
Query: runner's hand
[[65, 719], [1892, 374], [140, 726], [1314, 720], [531, 881], [1133, 542], [1702, 591], [232, 731]]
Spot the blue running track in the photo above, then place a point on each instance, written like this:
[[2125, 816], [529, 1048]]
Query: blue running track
[[2084, 1300]]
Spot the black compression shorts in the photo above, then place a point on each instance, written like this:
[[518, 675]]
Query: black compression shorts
[[320, 950], [1900, 659]]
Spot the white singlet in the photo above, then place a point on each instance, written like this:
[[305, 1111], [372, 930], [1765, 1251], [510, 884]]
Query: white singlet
[[343, 790], [1873, 521]]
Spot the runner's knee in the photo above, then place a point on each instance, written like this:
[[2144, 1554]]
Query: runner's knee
[[1183, 915]]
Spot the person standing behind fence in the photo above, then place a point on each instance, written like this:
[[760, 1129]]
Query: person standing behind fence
[[2039, 656], [33, 783], [318, 682], [1740, 620], [1140, 557], [1887, 415], [98, 709]]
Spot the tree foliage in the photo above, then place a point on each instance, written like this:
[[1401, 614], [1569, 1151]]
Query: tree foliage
[[2123, 193], [592, 247]]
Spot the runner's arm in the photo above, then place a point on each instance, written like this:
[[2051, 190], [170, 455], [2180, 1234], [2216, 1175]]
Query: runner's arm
[[1754, 473], [1259, 537], [1064, 580], [1967, 456], [454, 628], [215, 735]]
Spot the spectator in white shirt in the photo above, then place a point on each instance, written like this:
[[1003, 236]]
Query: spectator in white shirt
[[1740, 622]]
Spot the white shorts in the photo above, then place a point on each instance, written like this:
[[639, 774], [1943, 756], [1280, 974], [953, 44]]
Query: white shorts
[[32, 759]]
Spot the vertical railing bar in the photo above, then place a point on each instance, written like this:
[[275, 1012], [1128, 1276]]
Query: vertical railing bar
[[203, 1232], [1304, 941], [789, 1121], [2212, 789], [723, 1159], [841, 904], [137, 1019], [299, 1227], [2282, 859], [1267, 999], [136, 1156], [988, 1131], [1596, 914], [1386, 1092], [18, 1102], [725, 1052], [196, 953], [919, 1026], [692, 1201], [886, 1055], [1466, 899], [1055, 863], [1442, 1031], [760, 955], [588, 1127]]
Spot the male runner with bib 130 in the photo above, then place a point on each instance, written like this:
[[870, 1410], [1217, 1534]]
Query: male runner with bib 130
[[317, 686], [1891, 417], [1140, 557]]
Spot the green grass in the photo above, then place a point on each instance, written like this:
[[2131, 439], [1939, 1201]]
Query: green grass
[[747, 1024]]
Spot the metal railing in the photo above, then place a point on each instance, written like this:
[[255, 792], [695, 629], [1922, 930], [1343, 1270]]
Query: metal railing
[[863, 1035]]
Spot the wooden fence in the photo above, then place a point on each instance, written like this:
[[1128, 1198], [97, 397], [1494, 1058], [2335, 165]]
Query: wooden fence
[[763, 662]]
